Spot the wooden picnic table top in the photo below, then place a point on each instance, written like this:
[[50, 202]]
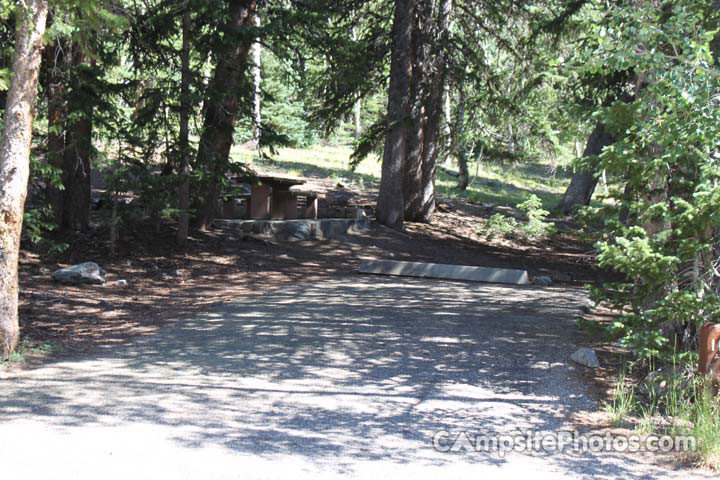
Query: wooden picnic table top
[[280, 179]]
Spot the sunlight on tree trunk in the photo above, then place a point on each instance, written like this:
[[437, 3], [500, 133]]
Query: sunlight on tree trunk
[[15, 161], [257, 85]]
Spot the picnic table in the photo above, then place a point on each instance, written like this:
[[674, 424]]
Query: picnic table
[[276, 197]]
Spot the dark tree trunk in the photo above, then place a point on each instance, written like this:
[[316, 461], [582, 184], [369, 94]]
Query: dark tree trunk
[[582, 185], [412, 181], [431, 137], [426, 88], [464, 172], [55, 90], [222, 103], [184, 190], [77, 157], [434, 110], [391, 204], [15, 161]]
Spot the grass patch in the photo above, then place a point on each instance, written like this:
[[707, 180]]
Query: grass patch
[[686, 408], [623, 402], [29, 348], [699, 419], [505, 185]]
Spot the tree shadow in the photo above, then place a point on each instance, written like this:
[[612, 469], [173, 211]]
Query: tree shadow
[[337, 371]]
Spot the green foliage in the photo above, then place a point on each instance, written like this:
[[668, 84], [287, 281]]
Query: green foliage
[[500, 225], [536, 226], [661, 231], [533, 227], [29, 347], [37, 222], [284, 106]]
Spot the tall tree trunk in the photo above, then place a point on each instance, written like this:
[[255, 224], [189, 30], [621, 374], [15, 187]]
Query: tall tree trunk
[[582, 185], [461, 149], [434, 110], [77, 162], [391, 204], [427, 88], [184, 190], [358, 119], [15, 160], [358, 103], [447, 130], [412, 181], [55, 91], [257, 88], [222, 103]]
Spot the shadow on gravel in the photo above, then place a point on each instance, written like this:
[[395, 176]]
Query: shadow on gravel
[[338, 371]]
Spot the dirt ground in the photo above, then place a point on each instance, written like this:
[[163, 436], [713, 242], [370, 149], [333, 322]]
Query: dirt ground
[[166, 284]]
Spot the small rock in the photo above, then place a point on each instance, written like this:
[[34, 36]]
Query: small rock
[[542, 280], [121, 283], [588, 306], [587, 357], [83, 273]]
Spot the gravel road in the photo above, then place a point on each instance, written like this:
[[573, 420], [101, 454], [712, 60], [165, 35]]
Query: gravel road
[[345, 378]]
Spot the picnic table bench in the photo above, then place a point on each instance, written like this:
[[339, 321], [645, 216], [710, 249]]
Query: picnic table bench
[[276, 197]]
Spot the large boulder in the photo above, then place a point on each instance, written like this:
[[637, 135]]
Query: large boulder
[[83, 273]]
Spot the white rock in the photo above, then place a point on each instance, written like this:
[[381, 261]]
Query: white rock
[[83, 273], [587, 357], [587, 306], [121, 283]]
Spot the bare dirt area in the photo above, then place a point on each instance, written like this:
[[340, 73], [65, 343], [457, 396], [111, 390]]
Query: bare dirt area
[[166, 285]]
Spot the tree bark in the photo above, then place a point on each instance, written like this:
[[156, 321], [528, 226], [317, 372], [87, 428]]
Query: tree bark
[[583, 183], [77, 158], [184, 140], [427, 88], [464, 172], [412, 181], [222, 103], [15, 161], [57, 113], [391, 204], [357, 110], [257, 89], [434, 110]]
